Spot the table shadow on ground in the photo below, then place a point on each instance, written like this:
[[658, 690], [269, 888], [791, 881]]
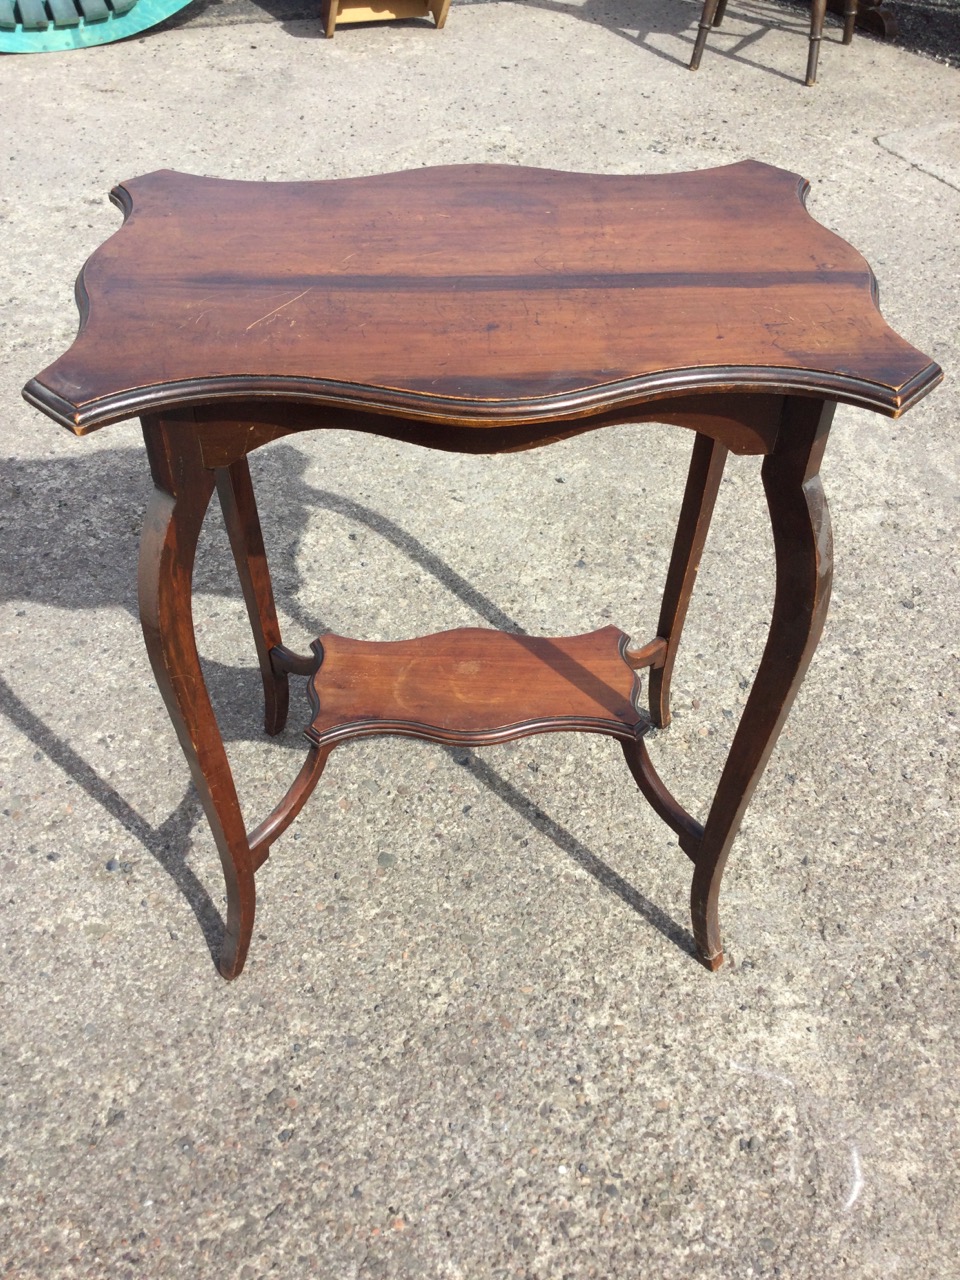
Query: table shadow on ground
[[71, 529]]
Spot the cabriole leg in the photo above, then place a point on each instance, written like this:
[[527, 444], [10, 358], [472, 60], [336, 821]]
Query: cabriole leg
[[167, 552], [699, 498], [804, 560]]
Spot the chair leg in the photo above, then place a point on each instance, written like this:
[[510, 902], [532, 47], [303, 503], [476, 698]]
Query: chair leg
[[721, 10], [849, 20], [817, 11], [706, 21]]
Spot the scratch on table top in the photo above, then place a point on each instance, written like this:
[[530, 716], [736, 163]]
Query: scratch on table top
[[288, 303]]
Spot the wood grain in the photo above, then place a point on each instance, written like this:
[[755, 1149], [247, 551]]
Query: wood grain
[[470, 293], [473, 686]]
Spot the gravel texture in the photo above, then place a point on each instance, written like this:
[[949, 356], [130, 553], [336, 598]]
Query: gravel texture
[[471, 1041]]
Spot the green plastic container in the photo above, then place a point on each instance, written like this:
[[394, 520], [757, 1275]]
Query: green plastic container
[[51, 26]]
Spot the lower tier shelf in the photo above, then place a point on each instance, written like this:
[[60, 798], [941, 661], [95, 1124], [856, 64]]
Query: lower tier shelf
[[473, 686]]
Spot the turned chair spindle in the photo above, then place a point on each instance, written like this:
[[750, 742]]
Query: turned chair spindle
[[712, 16]]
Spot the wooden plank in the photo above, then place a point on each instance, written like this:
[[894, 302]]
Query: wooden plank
[[363, 11], [64, 13], [121, 7], [33, 16], [8, 19]]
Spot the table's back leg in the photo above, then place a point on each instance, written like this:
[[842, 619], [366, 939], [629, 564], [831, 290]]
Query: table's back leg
[[804, 563], [235, 490], [699, 497], [167, 552]]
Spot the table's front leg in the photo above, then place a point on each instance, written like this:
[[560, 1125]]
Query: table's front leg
[[804, 564], [167, 552]]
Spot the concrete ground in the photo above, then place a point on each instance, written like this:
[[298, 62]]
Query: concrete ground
[[471, 1040]]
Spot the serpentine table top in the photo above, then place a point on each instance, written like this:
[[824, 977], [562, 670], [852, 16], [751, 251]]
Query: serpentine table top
[[474, 294]]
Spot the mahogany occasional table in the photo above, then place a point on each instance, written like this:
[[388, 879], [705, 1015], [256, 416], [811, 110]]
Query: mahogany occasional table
[[481, 310]]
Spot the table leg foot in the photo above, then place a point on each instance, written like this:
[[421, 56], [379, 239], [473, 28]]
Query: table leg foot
[[276, 704], [706, 919], [241, 910]]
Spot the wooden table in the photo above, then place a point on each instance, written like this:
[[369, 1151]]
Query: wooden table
[[479, 309]]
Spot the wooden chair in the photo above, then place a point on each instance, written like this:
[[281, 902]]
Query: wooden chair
[[712, 16]]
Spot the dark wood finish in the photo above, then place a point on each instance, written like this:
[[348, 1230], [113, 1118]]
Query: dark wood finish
[[658, 797], [474, 294], [712, 16], [474, 687], [867, 15], [301, 789], [239, 507], [745, 424], [871, 15], [849, 20], [700, 494], [818, 10], [183, 488], [804, 556], [482, 310], [651, 654], [297, 664]]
